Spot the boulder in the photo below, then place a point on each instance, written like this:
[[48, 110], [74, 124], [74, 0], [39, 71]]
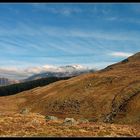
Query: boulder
[[51, 118], [70, 121], [24, 111]]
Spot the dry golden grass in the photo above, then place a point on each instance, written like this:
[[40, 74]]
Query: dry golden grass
[[35, 125]]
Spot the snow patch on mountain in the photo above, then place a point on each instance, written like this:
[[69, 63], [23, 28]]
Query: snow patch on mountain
[[23, 73]]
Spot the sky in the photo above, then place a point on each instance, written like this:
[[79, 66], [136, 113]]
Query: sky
[[94, 35]]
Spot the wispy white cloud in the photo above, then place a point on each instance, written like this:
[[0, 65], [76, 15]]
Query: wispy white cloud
[[62, 10], [121, 54], [98, 34], [13, 73], [112, 18], [135, 8], [107, 35], [57, 45], [24, 29], [123, 19]]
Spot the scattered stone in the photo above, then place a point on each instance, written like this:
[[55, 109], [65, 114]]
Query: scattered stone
[[24, 111], [108, 118], [70, 121], [51, 118], [89, 85]]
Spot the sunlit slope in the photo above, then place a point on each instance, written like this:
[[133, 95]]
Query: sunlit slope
[[109, 95]]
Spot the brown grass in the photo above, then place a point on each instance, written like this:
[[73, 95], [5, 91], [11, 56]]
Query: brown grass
[[35, 125]]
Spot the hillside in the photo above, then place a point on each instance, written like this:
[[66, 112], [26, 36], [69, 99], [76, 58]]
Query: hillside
[[19, 87], [109, 95]]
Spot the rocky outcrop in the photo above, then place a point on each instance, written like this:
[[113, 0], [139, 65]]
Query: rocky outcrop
[[121, 99]]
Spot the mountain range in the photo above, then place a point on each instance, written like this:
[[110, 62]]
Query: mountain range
[[62, 71], [48, 71]]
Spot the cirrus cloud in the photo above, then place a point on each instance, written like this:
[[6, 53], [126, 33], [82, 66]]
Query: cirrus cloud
[[121, 54]]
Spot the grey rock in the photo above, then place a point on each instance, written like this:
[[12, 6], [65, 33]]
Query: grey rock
[[24, 111], [51, 118], [70, 121]]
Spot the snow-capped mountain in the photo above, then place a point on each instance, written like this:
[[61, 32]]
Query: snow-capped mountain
[[62, 71], [37, 72]]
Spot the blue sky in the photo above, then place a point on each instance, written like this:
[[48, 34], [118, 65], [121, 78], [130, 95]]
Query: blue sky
[[93, 35]]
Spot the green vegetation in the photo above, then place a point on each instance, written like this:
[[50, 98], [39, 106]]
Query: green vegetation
[[16, 88]]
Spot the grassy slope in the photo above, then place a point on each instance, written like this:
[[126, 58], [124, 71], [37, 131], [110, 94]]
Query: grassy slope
[[110, 93], [35, 125]]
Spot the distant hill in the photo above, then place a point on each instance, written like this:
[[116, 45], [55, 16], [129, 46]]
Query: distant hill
[[109, 95], [6, 81], [19, 87]]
